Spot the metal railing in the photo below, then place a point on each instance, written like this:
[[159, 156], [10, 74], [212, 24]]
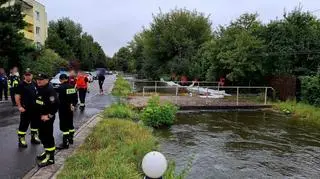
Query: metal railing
[[265, 89], [156, 83]]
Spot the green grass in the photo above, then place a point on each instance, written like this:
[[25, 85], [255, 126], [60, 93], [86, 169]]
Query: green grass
[[121, 87], [122, 111], [114, 150], [299, 110]]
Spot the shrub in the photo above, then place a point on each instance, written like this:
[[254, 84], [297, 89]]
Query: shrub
[[121, 111], [157, 115], [299, 110], [48, 61], [121, 87], [310, 89]]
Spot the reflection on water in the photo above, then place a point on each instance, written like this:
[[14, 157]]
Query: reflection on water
[[243, 145]]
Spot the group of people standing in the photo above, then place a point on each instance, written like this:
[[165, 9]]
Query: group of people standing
[[38, 103], [9, 83]]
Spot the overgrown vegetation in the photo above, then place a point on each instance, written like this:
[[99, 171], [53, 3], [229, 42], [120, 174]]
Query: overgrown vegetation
[[116, 146], [299, 110], [158, 115], [67, 38], [310, 90], [121, 88], [47, 62], [181, 43], [114, 150], [121, 111]]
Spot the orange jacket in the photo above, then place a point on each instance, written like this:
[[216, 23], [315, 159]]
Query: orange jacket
[[82, 81]]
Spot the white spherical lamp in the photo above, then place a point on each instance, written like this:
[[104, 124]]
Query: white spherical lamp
[[154, 164]]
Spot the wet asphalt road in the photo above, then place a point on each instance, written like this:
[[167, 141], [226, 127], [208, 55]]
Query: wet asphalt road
[[15, 162]]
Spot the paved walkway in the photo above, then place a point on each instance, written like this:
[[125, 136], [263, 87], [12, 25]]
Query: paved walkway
[[15, 162]]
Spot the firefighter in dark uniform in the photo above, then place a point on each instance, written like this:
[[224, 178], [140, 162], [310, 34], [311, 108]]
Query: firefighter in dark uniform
[[68, 99], [14, 80], [47, 104], [25, 98]]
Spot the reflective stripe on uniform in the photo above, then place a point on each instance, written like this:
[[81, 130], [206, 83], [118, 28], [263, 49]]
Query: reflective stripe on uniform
[[15, 83], [50, 149], [21, 133], [72, 130], [82, 104], [39, 102], [65, 133], [71, 91], [46, 159], [34, 130]]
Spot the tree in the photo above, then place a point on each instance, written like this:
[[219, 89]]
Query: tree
[[12, 43], [68, 40], [170, 43], [122, 59], [46, 61], [238, 50], [292, 44]]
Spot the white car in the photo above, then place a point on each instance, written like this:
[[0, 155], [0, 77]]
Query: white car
[[55, 81], [90, 77]]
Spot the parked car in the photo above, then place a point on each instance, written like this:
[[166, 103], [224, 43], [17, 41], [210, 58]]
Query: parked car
[[55, 80], [94, 75], [90, 76], [109, 73]]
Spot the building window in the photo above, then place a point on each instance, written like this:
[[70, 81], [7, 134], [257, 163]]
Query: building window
[[37, 30], [38, 15]]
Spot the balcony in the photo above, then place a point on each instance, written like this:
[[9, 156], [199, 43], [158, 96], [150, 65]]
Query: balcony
[[28, 35], [28, 19]]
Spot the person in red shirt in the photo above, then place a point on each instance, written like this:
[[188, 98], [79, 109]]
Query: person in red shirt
[[82, 87]]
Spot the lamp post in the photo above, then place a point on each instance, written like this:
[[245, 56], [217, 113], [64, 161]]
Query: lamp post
[[154, 165]]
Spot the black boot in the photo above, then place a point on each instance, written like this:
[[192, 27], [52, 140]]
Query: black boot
[[22, 142], [41, 157], [71, 134], [65, 142], [48, 160], [35, 138]]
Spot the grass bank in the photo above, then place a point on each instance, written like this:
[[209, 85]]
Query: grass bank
[[116, 146], [299, 110], [114, 149]]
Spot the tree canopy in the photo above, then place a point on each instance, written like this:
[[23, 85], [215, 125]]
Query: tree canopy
[[12, 43], [182, 42], [67, 38]]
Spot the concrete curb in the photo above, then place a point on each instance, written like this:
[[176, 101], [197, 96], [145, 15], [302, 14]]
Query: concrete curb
[[60, 157]]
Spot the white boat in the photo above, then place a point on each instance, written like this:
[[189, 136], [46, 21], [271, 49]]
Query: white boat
[[207, 93]]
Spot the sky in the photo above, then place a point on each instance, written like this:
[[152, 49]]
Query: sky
[[113, 23]]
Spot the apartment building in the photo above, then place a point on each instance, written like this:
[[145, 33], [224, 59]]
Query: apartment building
[[36, 18]]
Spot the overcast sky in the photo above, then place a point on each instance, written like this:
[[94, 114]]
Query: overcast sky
[[114, 22]]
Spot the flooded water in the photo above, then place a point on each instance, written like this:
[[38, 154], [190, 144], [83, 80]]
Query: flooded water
[[243, 145]]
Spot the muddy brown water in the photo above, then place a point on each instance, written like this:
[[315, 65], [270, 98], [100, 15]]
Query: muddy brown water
[[243, 144]]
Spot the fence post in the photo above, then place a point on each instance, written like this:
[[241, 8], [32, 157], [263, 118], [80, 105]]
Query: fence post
[[265, 96], [237, 96], [143, 92], [133, 86], [177, 88], [155, 88]]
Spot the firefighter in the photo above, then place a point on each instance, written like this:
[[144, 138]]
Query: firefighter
[[25, 98], [14, 80], [3, 85], [82, 87], [47, 105], [72, 81], [68, 99]]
